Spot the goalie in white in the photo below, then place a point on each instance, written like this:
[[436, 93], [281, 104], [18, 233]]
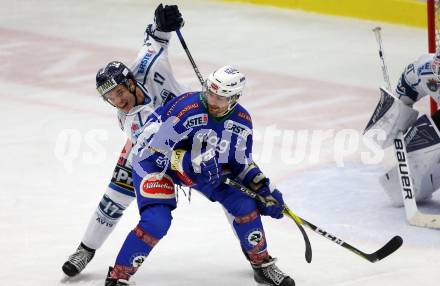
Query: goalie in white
[[422, 136]]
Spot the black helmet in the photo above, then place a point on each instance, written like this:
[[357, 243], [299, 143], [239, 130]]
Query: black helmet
[[110, 76]]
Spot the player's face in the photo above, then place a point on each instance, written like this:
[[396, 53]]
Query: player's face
[[217, 105], [121, 97]]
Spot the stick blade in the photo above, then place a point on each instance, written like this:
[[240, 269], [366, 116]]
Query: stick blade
[[391, 246]]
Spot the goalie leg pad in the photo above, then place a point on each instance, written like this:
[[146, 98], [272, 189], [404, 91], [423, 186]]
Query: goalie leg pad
[[423, 147]]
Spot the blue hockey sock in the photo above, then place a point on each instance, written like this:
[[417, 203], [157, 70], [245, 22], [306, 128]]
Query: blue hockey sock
[[252, 238], [154, 224]]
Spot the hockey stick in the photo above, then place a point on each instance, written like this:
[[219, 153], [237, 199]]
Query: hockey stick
[[413, 215], [193, 63], [390, 247], [382, 57], [286, 211]]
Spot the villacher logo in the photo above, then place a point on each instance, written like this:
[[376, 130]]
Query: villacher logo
[[155, 187]]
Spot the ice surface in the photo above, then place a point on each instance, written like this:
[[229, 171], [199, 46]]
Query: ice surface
[[305, 72]]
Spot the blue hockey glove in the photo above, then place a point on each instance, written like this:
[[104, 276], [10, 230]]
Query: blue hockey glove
[[168, 18], [209, 168], [276, 209], [260, 184], [204, 168]]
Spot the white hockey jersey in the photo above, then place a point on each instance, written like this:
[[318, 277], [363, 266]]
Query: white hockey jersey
[[154, 75], [417, 81]]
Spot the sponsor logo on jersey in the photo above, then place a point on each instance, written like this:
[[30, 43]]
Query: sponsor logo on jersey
[[187, 108], [122, 178], [145, 60], [244, 116], [196, 120], [179, 99], [154, 187], [237, 128]]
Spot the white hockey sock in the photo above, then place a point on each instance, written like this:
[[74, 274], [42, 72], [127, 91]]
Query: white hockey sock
[[105, 218]]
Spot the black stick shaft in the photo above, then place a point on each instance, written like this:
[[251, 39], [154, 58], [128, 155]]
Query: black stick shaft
[[193, 63]]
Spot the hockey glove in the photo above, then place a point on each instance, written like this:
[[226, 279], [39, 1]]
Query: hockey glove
[[274, 199], [274, 210], [204, 167], [168, 18], [207, 165]]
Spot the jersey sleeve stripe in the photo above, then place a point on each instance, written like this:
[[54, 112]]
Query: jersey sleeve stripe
[[151, 63]]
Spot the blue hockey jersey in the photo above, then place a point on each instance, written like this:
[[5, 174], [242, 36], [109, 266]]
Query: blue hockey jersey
[[186, 124]]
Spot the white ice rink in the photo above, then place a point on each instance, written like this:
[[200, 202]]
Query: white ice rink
[[305, 72]]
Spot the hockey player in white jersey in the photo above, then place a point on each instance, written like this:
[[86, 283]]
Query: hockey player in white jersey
[[136, 93], [126, 89], [422, 137]]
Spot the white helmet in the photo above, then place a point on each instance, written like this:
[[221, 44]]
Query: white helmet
[[226, 81], [435, 65]]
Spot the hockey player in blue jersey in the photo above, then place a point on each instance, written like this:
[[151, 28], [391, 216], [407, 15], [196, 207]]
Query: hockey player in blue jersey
[[195, 140]]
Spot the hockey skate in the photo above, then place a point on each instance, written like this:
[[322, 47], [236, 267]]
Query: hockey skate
[[78, 260], [109, 281], [268, 273]]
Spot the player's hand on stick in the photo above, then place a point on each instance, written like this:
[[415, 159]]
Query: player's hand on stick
[[274, 202]]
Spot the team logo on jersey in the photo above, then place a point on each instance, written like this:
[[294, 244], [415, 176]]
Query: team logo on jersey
[[138, 259], [255, 237], [155, 187], [432, 84], [237, 128], [196, 120]]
